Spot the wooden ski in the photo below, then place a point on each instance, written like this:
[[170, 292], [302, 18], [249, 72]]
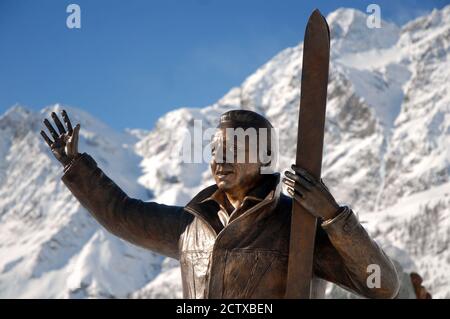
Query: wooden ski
[[313, 98]]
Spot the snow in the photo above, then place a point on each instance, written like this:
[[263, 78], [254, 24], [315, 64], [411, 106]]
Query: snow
[[349, 32], [387, 151], [47, 239]]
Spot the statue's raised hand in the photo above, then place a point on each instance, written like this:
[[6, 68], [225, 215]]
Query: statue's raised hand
[[64, 145]]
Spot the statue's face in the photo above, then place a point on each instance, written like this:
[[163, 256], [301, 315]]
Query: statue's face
[[233, 174]]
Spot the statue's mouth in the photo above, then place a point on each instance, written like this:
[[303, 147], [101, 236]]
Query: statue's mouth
[[223, 174]]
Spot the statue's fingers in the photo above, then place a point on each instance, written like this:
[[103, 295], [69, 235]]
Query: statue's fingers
[[46, 138], [300, 179], [291, 175], [75, 138], [305, 183], [67, 121], [301, 185], [51, 129], [304, 173], [72, 144], [288, 182], [58, 123], [296, 195]]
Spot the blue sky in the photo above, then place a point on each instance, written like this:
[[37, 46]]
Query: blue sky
[[132, 61]]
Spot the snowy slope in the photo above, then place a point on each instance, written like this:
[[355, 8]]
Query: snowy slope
[[49, 245], [386, 153]]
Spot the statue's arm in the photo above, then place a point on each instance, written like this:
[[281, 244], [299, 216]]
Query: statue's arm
[[346, 255], [344, 252], [150, 225], [147, 224]]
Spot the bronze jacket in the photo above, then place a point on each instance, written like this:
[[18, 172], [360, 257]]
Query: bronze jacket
[[248, 258]]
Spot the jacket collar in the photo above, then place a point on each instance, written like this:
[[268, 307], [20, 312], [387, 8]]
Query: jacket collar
[[206, 203]]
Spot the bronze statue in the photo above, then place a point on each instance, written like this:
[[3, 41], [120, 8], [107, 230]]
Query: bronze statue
[[420, 291], [232, 239]]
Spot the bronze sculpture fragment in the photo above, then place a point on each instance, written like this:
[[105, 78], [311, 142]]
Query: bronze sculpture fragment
[[232, 239]]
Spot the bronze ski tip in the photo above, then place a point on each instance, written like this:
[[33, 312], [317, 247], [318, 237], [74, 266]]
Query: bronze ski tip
[[316, 18], [316, 14]]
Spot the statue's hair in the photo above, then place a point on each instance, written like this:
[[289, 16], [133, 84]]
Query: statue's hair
[[248, 119], [244, 119]]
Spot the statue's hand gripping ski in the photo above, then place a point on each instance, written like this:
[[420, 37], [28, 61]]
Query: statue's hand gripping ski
[[233, 238]]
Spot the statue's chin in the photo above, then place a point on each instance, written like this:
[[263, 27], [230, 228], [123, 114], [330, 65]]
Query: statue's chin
[[224, 185], [221, 186]]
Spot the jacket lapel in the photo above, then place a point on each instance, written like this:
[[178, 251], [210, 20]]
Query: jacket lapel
[[267, 193]]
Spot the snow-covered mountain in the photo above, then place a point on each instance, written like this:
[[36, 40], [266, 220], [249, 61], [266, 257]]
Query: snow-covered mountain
[[387, 154], [49, 245]]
